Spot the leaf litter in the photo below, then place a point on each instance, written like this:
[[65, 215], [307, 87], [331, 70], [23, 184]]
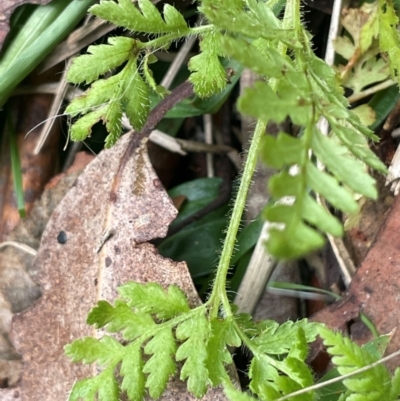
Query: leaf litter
[[93, 243]]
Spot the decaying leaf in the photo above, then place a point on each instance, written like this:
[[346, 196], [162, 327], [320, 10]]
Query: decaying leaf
[[94, 242], [7, 7], [17, 289], [374, 290]]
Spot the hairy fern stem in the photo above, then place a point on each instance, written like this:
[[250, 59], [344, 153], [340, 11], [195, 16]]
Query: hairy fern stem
[[218, 295]]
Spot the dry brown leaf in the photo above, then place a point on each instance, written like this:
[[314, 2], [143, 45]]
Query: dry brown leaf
[[17, 289], [93, 243], [374, 289], [7, 7]]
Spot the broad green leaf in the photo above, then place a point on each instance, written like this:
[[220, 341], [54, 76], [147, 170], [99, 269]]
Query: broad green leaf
[[152, 298], [161, 366], [133, 381], [194, 351], [146, 18], [208, 75], [102, 59], [198, 193], [338, 160], [120, 317], [198, 243], [223, 334], [89, 350]]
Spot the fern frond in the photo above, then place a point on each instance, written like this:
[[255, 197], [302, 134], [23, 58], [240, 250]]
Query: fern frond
[[372, 385], [146, 18]]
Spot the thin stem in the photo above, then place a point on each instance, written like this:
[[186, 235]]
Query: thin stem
[[165, 40], [218, 295]]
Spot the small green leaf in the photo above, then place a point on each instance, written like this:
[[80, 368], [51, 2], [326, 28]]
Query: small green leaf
[[208, 75], [287, 101], [104, 386], [89, 350], [259, 21], [280, 339], [223, 334], [194, 350], [102, 59], [135, 97], [234, 394], [267, 61], [373, 384], [282, 151], [263, 378], [326, 185], [318, 216], [82, 128], [148, 75], [97, 95], [120, 317], [145, 19], [338, 160], [152, 298], [160, 367], [113, 122], [133, 381]]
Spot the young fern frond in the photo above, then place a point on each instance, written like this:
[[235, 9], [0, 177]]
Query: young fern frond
[[374, 384], [293, 87], [159, 329]]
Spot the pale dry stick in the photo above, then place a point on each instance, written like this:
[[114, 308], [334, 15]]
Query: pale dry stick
[[339, 249], [20, 246], [370, 91], [259, 270], [207, 121], [262, 264], [340, 378], [79, 39], [55, 108], [179, 59], [175, 145]]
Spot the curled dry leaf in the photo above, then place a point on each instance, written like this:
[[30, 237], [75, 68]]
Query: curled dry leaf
[[93, 243], [7, 7]]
